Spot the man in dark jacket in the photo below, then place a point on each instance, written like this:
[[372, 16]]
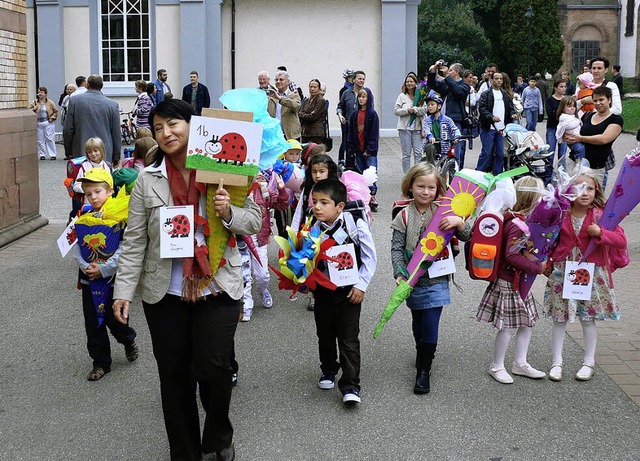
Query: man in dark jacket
[[455, 92], [495, 111], [196, 94]]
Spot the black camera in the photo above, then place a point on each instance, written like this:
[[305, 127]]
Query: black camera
[[444, 63]]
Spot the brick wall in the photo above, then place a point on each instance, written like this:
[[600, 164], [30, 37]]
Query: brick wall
[[13, 54], [19, 182]]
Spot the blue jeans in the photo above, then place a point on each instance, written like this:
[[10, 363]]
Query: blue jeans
[[491, 157], [560, 152], [461, 147], [343, 141], [577, 150], [532, 119], [362, 163]]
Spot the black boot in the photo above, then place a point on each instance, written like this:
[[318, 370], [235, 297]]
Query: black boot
[[426, 352]]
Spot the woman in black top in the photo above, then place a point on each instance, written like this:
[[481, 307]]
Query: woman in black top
[[599, 130], [551, 105]]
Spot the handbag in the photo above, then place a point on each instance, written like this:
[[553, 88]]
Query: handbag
[[328, 141]]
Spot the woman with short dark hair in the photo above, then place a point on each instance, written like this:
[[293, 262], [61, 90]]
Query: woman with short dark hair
[[599, 130], [191, 308]]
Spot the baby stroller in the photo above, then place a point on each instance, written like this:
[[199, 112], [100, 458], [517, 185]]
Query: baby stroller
[[526, 148]]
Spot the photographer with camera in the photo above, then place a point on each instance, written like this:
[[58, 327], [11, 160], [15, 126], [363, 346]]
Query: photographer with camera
[[455, 91], [284, 105]]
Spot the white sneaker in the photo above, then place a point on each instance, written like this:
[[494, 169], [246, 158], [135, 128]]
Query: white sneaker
[[267, 300], [501, 375], [555, 374], [246, 315], [527, 370], [585, 373]]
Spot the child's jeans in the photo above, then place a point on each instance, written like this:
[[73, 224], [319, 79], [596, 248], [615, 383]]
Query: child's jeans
[[577, 151], [532, 118], [338, 321], [365, 161], [97, 337]]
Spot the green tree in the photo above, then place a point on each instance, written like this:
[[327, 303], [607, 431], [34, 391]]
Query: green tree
[[505, 26], [443, 24], [546, 44]]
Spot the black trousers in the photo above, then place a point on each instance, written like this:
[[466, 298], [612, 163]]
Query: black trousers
[[97, 338], [192, 344], [338, 321]]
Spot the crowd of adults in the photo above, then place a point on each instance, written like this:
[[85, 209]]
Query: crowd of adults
[[496, 103]]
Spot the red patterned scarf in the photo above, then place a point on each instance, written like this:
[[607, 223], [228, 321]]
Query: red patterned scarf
[[196, 270]]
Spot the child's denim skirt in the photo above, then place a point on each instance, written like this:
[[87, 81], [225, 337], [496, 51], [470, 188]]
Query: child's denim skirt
[[429, 296]]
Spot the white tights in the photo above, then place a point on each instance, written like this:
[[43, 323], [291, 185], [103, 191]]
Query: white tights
[[589, 333], [523, 337]]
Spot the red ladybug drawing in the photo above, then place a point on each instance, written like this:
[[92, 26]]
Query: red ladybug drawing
[[579, 277], [343, 261], [177, 227], [230, 148]]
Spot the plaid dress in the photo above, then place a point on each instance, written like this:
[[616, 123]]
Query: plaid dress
[[503, 306]]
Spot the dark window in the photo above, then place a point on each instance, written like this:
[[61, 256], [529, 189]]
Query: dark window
[[583, 50], [631, 18]]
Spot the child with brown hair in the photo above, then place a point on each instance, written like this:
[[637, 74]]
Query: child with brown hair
[[424, 185], [568, 122]]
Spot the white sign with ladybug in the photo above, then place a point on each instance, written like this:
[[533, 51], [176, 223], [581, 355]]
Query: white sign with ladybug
[[224, 146], [578, 280], [176, 231], [343, 271]]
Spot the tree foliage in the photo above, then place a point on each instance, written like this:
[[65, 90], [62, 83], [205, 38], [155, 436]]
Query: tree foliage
[[509, 34], [443, 24], [546, 44]]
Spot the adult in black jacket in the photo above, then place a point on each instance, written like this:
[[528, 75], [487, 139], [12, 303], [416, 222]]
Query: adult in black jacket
[[201, 98], [455, 91], [495, 111]]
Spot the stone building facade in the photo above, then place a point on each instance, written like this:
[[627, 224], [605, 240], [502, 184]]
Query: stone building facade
[[607, 28], [19, 184]]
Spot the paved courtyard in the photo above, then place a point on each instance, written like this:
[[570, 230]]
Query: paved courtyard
[[48, 411]]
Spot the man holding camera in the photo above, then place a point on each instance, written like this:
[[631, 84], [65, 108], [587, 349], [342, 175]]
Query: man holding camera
[[284, 105], [454, 90]]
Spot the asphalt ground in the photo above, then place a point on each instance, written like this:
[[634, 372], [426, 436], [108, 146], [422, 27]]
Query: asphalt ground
[[49, 411]]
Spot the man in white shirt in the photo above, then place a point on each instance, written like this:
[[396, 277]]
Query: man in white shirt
[[496, 110], [599, 67], [81, 83]]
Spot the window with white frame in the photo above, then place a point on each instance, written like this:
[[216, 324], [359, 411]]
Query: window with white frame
[[125, 40]]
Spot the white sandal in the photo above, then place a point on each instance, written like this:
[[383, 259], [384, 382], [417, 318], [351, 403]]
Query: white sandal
[[586, 372], [555, 374]]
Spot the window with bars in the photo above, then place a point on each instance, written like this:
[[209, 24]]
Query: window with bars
[[583, 50], [124, 40]]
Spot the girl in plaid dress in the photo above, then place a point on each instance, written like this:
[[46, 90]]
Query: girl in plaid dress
[[501, 303], [578, 227]]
